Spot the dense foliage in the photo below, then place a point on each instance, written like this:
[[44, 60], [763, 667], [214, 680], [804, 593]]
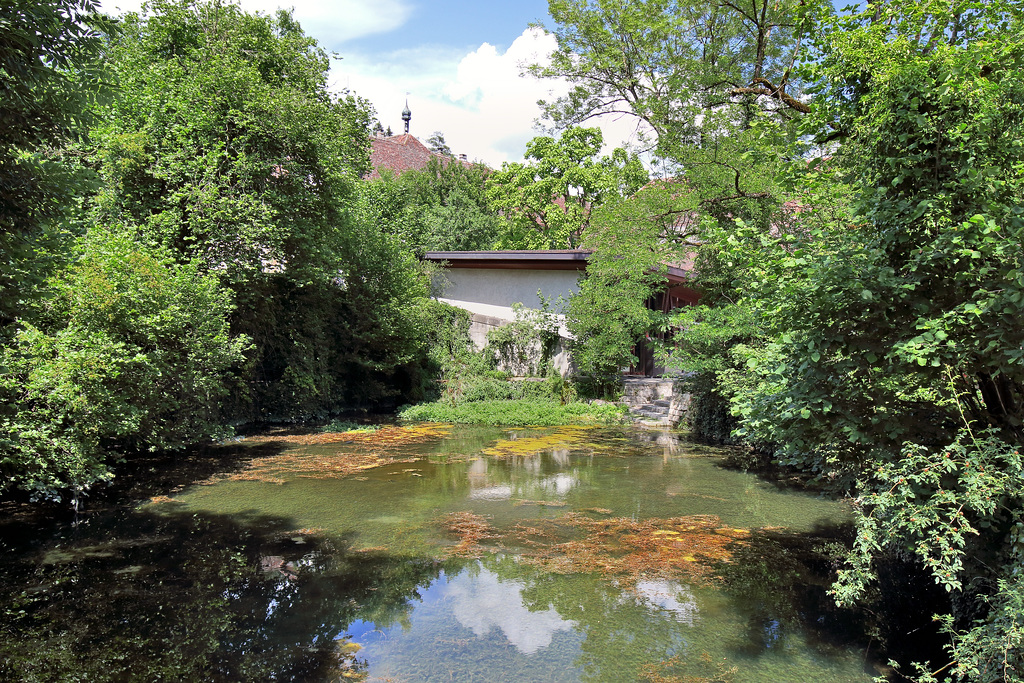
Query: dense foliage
[[130, 354], [256, 178], [225, 270], [855, 186], [516, 413], [549, 198], [632, 241], [50, 76], [894, 363], [442, 207]]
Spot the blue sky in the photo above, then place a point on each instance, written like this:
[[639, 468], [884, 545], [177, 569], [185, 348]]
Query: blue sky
[[457, 24], [458, 62]]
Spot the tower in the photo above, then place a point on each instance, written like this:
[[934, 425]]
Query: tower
[[406, 116]]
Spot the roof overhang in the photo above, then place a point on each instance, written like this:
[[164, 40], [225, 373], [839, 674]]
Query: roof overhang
[[679, 280], [546, 259]]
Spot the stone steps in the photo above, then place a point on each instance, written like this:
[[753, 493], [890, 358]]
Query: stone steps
[[656, 412], [652, 401]]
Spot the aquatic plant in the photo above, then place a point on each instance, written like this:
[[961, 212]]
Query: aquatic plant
[[470, 528], [380, 447], [389, 436], [533, 443], [621, 549], [670, 671], [514, 413], [347, 426]]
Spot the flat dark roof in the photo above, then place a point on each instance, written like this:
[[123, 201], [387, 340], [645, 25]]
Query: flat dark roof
[[538, 259]]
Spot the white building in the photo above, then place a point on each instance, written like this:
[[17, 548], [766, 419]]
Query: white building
[[489, 283]]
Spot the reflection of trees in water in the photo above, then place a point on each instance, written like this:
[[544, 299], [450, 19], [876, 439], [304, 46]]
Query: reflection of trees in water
[[144, 596], [780, 580]]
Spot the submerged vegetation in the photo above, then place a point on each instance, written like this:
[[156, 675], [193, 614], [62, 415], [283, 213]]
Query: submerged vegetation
[[382, 446], [622, 550]]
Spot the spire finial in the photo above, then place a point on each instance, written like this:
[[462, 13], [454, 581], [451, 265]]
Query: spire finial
[[406, 115]]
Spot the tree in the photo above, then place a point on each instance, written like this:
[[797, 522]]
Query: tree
[[49, 79], [895, 363], [442, 207], [131, 354], [550, 198], [227, 148], [694, 75], [437, 144], [632, 241], [254, 176], [714, 92]]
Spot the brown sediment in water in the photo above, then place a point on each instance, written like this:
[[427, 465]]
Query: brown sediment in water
[[518, 502], [620, 548], [385, 436], [672, 670], [381, 447], [470, 529]]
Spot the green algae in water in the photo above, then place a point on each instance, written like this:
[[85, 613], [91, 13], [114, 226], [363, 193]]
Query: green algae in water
[[251, 580]]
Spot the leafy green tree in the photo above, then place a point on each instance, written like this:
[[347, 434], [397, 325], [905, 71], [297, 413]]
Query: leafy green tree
[[632, 241], [49, 78], [131, 354], [550, 198], [895, 363], [713, 89], [695, 76], [437, 144], [442, 207], [227, 148], [226, 145]]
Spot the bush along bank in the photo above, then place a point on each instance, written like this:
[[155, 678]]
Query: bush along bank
[[471, 389]]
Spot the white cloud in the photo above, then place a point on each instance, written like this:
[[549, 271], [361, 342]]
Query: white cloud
[[485, 602], [671, 597], [481, 101], [330, 21]]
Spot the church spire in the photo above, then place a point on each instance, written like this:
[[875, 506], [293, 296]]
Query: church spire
[[406, 115]]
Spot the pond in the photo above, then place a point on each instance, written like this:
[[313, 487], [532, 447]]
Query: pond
[[437, 553]]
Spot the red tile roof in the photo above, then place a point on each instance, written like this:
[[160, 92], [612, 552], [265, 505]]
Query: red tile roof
[[400, 153]]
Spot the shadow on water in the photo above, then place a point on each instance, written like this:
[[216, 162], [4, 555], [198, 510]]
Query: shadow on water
[[179, 591], [781, 581], [139, 478], [140, 595]]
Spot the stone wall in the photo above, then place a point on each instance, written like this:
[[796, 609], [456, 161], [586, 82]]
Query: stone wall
[[480, 325]]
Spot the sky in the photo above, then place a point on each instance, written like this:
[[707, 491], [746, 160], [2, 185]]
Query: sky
[[458, 62]]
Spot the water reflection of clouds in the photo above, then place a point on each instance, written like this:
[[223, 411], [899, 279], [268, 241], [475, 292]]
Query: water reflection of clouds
[[483, 487], [500, 492], [671, 597], [484, 602]]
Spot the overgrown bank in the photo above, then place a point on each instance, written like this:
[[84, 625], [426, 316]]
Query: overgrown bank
[[475, 386], [193, 247]]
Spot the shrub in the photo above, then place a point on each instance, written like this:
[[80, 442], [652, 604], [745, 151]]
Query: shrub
[[133, 355]]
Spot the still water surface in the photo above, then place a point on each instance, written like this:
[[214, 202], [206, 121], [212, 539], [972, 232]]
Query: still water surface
[[326, 561]]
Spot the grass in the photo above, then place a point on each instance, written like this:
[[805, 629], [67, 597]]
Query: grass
[[515, 413]]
